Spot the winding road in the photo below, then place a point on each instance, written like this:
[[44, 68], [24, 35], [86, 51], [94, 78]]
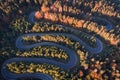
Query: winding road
[[72, 55], [8, 75], [71, 36], [99, 45], [109, 26]]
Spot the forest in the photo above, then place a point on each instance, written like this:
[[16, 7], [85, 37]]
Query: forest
[[59, 40]]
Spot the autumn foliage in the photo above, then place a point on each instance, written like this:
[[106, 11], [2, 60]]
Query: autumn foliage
[[114, 42], [38, 15], [79, 23], [44, 9]]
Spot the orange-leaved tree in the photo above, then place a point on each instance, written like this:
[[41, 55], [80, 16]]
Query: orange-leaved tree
[[79, 23], [38, 15]]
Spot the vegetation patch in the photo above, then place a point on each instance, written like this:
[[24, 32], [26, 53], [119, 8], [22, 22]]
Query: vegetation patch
[[22, 67], [51, 52]]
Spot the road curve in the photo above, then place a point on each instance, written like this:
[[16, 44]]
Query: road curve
[[99, 44], [109, 26], [88, 48], [72, 62], [31, 17]]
